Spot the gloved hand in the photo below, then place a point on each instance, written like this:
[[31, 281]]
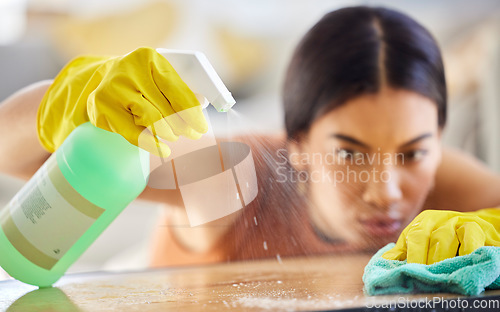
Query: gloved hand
[[126, 95], [435, 235]]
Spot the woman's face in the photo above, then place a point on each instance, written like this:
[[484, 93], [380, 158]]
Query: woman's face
[[369, 165]]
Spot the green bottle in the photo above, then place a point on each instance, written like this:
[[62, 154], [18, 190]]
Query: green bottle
[[68, 203]]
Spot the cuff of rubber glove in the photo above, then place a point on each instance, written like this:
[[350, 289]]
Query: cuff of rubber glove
[[42, 136], [45, 136]]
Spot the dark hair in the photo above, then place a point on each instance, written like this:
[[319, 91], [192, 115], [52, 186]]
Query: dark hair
[[354, 51]]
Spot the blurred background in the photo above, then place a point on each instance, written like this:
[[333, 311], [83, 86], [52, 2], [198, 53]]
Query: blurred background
[[249, 43]]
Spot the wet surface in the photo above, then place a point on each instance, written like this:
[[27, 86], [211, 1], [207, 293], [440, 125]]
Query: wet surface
[[310, 283]]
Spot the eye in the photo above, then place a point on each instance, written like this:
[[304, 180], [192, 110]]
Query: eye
[[412, 156], [348, 154]]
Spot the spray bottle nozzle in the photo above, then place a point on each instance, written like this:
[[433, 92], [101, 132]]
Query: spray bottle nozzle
[[196, 71], [223, 102]]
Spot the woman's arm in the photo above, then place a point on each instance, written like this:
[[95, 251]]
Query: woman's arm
[[20, 151], [464, 184], [21, 154]]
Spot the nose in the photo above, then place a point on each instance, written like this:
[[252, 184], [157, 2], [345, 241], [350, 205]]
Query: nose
[[383, 189]]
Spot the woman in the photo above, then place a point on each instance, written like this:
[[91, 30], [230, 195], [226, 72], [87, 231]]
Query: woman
[[365, 105]]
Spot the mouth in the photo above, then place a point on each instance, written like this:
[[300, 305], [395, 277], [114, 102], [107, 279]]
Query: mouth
[[381, 226]]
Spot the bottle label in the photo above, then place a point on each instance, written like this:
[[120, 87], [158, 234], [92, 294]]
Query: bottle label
[[47, 216]]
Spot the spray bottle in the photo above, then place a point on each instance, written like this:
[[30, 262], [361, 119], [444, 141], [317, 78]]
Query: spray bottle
[[84, 186]]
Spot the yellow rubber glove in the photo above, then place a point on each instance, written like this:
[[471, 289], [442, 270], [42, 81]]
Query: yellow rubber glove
[[126, 95], [435, 235]]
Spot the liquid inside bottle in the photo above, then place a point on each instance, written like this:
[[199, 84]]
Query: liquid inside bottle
[[68, 203]]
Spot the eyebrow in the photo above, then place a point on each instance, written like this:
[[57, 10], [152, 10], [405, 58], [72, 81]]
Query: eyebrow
[[415, 140], [349, 139], [352, 140]]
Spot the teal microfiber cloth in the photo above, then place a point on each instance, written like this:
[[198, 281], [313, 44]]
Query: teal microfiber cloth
[[466, 275]]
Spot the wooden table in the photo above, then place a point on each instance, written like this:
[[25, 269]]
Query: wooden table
[[309, 283]]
